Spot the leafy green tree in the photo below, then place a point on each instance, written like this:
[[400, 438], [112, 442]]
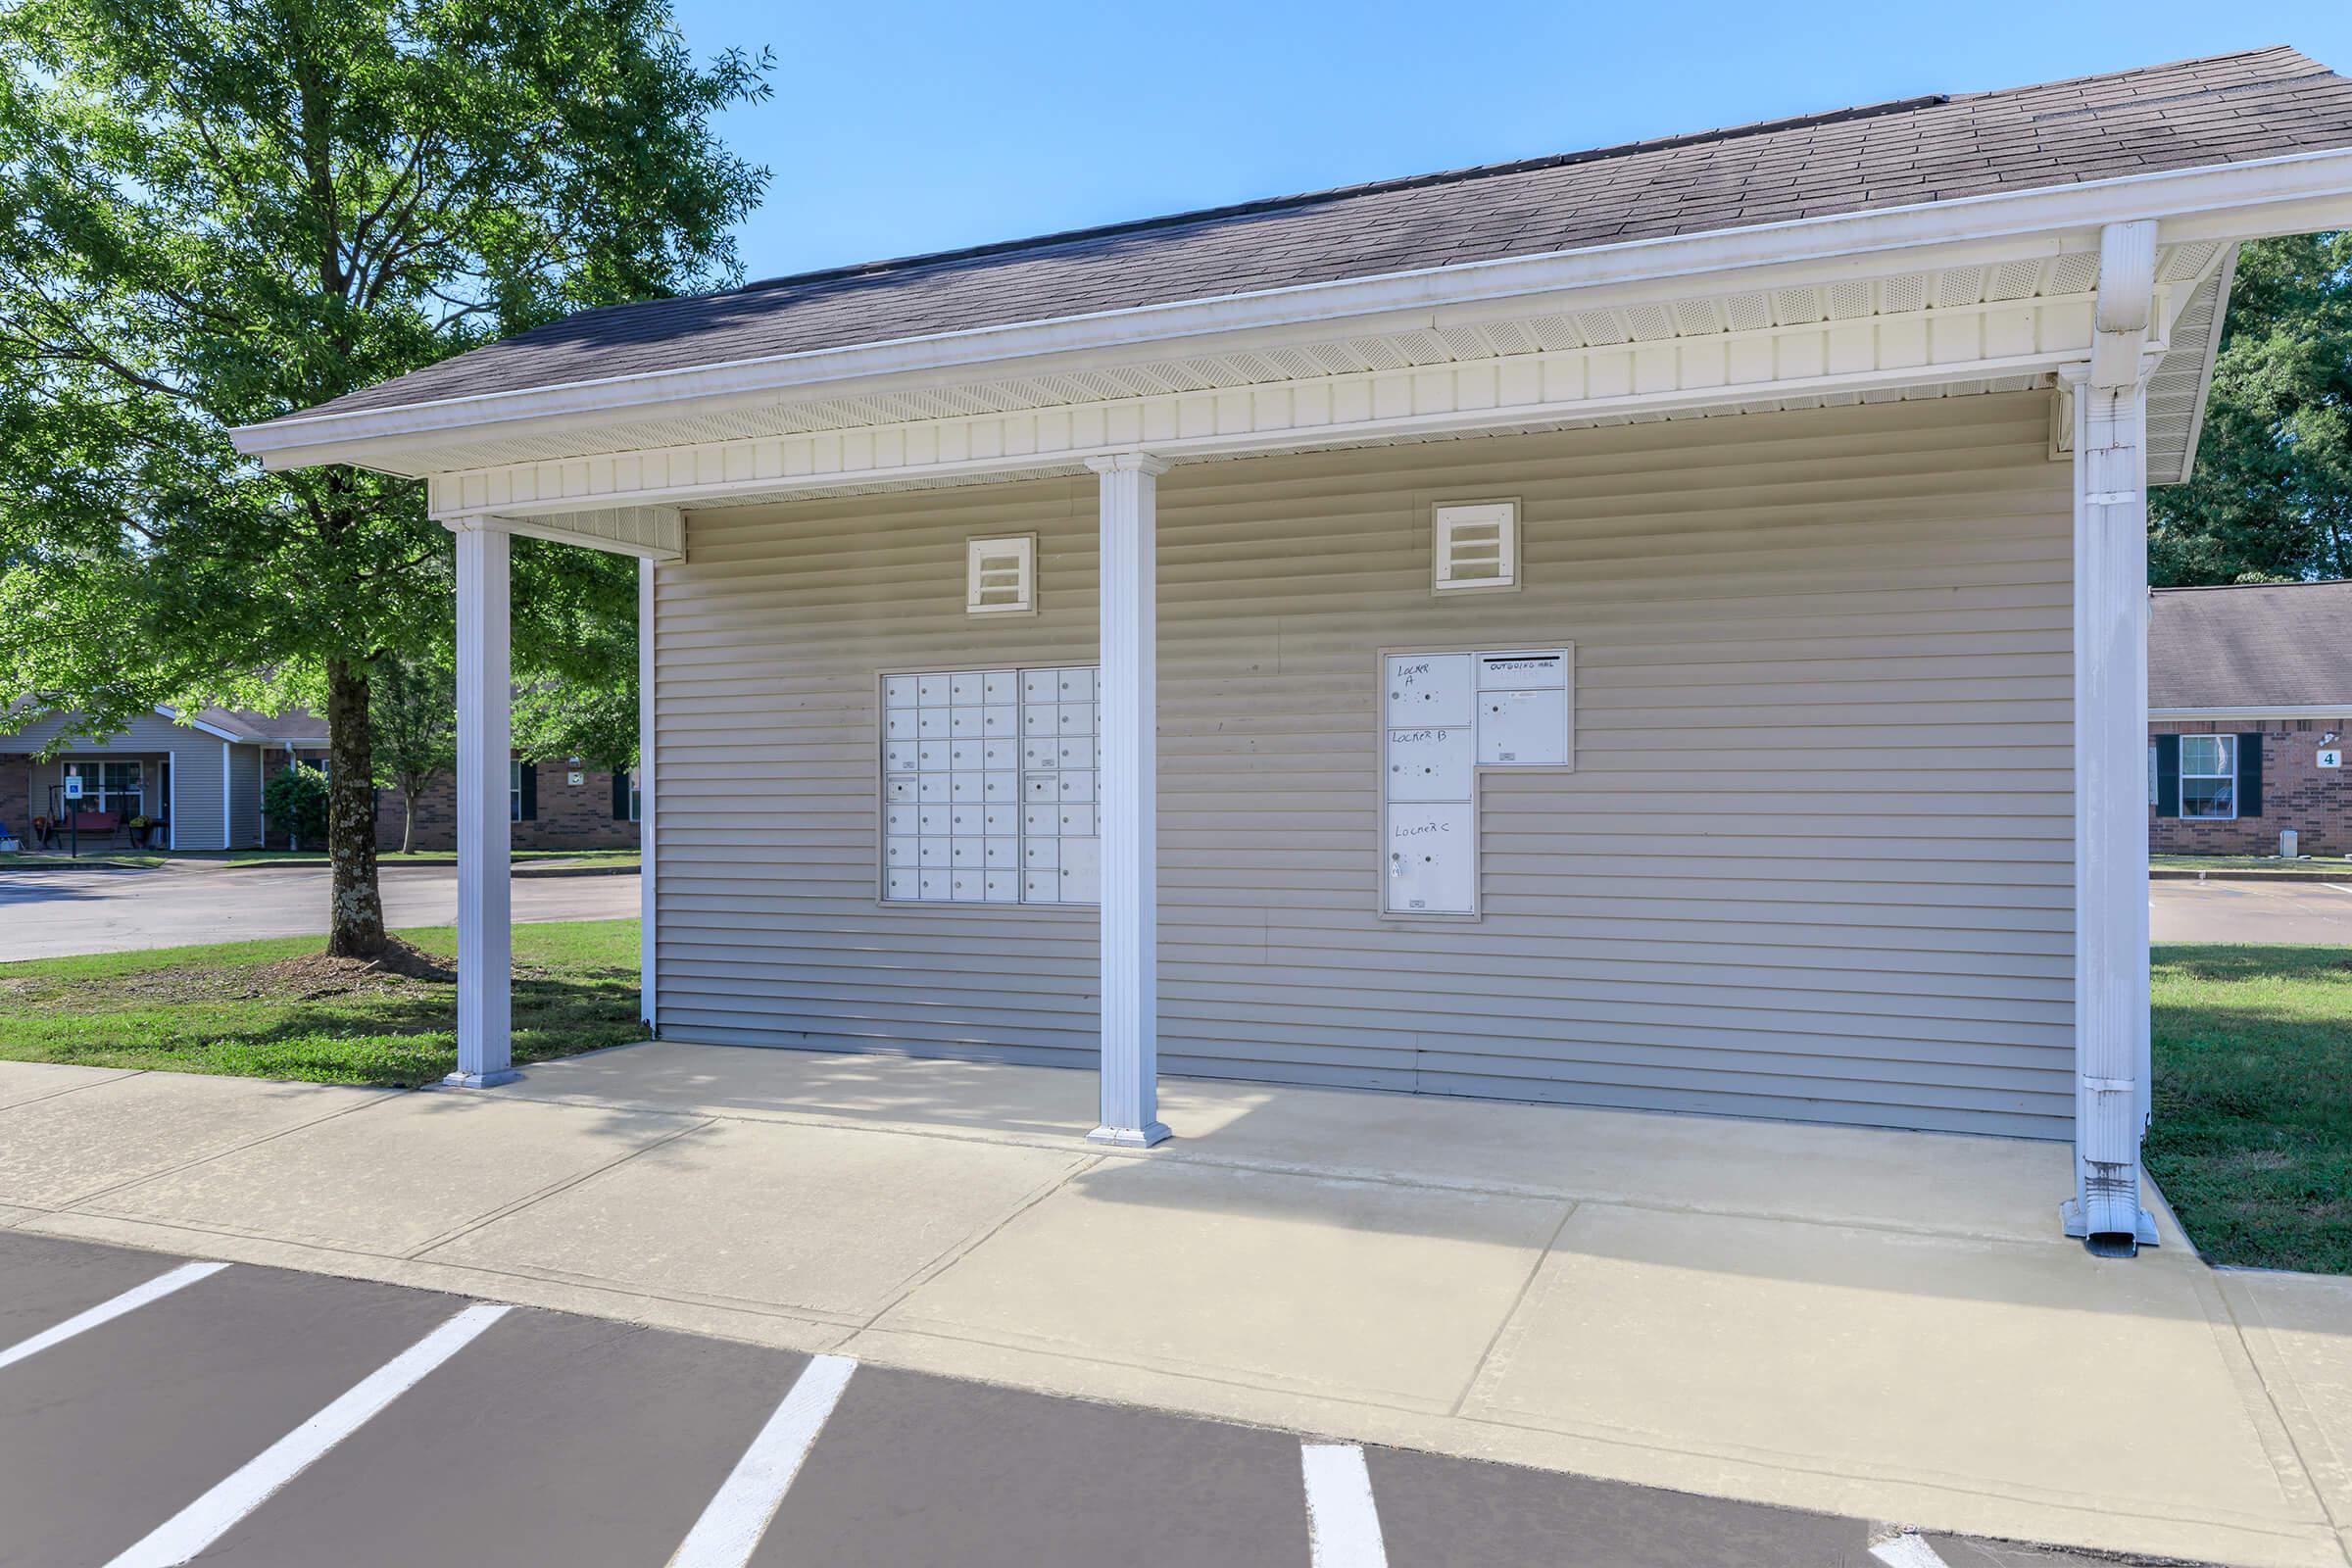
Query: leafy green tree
[[214, 214], [412, 717], [2270, 500]]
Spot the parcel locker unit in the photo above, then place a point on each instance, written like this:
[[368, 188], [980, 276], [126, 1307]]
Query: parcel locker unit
[[1446, 718]]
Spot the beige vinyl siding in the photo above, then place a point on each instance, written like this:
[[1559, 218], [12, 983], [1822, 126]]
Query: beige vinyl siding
[[196, 765], [1813, 863], [246, 776]]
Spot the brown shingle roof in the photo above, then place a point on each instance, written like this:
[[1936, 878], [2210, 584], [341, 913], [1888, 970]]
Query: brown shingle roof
[[2190, 114], [2285, 644]]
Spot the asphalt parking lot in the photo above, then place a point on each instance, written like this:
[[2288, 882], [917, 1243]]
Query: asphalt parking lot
[[154, 1411], [2296, 912], [49, 914]]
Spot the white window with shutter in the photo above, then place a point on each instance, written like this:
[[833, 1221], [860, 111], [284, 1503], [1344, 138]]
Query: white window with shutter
[[1000, 575], [1476, 546]]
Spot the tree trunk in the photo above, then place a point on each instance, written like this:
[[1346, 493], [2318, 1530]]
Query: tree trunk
[[356, 915], [408, 817]]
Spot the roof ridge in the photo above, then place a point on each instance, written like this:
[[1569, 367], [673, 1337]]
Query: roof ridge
[[1470, 171], [1335, 193]]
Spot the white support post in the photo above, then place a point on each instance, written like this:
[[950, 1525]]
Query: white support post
[[172, 802], [485, 907], [1129, 800], [227, 800], [646, 904], [2111, 739]]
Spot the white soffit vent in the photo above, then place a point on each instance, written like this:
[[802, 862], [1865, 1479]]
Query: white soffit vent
[[1000, 575], [1476, 546]]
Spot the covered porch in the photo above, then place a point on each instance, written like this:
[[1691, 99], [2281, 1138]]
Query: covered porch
[[2093, 324]]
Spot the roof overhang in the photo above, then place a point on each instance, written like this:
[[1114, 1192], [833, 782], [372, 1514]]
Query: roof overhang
[[1969, 295]]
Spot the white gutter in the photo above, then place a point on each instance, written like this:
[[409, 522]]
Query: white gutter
[[2341, 709], [2199, 202]]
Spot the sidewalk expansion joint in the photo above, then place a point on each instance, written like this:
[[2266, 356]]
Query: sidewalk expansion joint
[[541, 1194]]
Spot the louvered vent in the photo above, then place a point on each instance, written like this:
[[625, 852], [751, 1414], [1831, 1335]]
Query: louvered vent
[[1477, 546], [1000, 575]]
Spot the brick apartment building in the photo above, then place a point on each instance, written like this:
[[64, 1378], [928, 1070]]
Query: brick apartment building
[[555, 805], [2250, 716]]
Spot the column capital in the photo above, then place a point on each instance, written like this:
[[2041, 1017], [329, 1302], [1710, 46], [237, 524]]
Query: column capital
[[1129, 463], [475, 525]]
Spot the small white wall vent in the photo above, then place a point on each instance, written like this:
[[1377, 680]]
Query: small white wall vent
[[1476, 546], [1000, 575]]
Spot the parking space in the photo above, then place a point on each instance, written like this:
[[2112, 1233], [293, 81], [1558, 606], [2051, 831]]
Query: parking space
[[154, 1411], [2291, 912]]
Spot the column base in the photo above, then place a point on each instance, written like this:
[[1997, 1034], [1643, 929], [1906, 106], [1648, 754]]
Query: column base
[[482, 1080], [1130, 1137]]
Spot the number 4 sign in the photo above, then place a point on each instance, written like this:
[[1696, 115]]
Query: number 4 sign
[[2331, 758]]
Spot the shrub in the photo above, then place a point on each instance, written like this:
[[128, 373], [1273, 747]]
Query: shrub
[[296, 802]]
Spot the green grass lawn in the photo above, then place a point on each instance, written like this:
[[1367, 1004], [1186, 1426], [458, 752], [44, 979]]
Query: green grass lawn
[[225, 1010], [2253, 1140], [2308, 865]]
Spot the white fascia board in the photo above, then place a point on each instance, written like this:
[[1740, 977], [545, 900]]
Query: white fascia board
[[214, 730], [2215, 202], [2218, 715]]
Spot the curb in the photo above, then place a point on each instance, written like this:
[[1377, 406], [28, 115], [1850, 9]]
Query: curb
[[91, 863], [2311, 875]]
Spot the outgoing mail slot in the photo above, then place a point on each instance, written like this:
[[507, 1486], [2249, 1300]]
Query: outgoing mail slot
[[1431, 859], [1521, 672], [1523, 729], [1427, 689]]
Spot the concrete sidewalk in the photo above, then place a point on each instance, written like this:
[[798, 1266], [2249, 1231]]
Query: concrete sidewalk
[[1859, 1322]]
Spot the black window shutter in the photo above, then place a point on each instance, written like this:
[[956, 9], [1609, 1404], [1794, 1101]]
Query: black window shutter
[[620, 794], [2168, 776], [531, 792], [2249, 774]]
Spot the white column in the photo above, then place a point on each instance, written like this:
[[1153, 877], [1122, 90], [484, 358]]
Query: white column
[[645, 791], [1128, 800], [2111, 740], [485, 912]]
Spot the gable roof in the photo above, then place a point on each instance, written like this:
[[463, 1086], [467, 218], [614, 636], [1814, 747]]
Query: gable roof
[[2263, 645], [1909, 152]]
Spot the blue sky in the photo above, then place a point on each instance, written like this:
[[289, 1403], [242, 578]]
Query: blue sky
[[904, 127]]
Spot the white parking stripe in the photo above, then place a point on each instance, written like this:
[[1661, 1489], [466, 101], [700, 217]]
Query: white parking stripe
[[138, 1296], [738, 1515], [1907, 1550], [1342, 1525], [211, 1516]]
